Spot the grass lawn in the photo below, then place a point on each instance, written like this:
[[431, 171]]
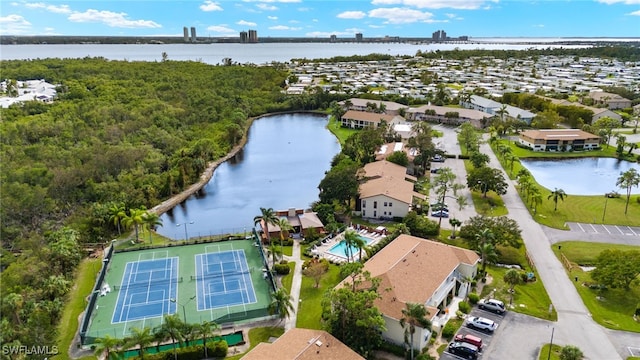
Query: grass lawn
[[341, 133], [310, 307], [605, 151], [68, 324], [288, 279], [611, 308], [287, 250], [555, 352], [530, 298], [579, 208], [258, 335]]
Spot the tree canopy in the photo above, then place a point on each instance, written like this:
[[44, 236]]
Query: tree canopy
[[505, 231], [616, 268]]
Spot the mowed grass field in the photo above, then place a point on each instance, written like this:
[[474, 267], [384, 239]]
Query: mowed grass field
[[611, 308]]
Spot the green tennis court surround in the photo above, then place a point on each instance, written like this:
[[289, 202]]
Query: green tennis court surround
[[224, 282]]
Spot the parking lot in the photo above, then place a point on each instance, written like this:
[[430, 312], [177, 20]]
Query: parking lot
[[604, 229], [487, 339]]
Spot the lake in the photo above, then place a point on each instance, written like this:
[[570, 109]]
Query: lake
[[580, 176], [262, 53], [280, 167]]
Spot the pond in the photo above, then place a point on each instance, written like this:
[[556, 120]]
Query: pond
[[579, 176], [280, 167]]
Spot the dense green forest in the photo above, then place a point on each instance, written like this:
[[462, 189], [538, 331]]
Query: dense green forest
[[122, 136]]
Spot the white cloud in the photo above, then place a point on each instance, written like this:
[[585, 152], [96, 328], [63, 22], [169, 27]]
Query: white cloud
[[209, 5], [111, 19], [221, 29], [14, 25], [538, 25], [635, 13], [272, 17], [304, 9], [401, 15], [61, 9], [266, 7], [346, 32], [246, 23], [626, 2], [438, 4], [376, 26], [351, 15], [284, 28]]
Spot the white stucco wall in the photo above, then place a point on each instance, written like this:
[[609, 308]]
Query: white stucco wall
[[395, 333], [397, 208]]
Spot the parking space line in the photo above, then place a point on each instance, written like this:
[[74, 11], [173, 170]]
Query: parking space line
[[631, 229], [581, 228], [606, 229], [621, 232], [594, 229]]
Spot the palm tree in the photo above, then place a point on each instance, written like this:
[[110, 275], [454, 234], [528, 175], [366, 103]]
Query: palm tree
[[359, 243], [135, 219], [413, 315], [116, 215], [485, 236], [281, 304], [275, 252], [511, 277], [151, 221], [454, 223], [171, 328], [557, 194], [284, 226], [107, 345], [140, 337], [502, 111], [627, 180], [536, 200], [350, 240], [206, 329], [488, 255], [267, 216]]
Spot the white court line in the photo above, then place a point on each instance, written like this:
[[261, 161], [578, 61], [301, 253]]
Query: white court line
[[621, 232], [581, 228], [594, 229], [630, 229]]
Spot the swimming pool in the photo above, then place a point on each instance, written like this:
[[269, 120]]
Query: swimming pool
[[340, 249]]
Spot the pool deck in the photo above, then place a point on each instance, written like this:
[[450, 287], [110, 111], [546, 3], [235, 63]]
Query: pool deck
[[323, 249]]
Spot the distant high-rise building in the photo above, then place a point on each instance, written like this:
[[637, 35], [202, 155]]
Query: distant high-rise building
[[244, 37], [253, 36], [185, 31], [193, 34], [358, 37], [439, 35], [333, 38]]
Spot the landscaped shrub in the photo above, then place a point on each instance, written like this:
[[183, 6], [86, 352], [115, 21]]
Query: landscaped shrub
[[281, 269], [393, 348], [509, 255], [424, 356], [449, 330], [637, 313], [217, 349], [459, 314], [464, 307], [473, 298]]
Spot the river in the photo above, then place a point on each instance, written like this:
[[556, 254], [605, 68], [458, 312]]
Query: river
[[280, 167]]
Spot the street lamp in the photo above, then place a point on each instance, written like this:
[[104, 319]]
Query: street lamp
[[186, 235], [550, 343], [184, 311], [606, 198]]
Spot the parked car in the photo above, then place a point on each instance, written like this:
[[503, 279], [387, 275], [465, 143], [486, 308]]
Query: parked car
[[440, 214], [435, 171], [463, 349], [437, 158], [482, 324], [469, 339], [439, 206], [493, 305]]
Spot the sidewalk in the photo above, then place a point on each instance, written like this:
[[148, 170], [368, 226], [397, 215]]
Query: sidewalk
[[290, 322]]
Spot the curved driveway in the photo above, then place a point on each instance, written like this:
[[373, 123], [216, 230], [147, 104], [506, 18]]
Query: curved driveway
[[575, 325]]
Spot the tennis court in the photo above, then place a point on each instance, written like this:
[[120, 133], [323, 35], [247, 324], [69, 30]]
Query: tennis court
[[223, 279], [223, 282], [147, 289]]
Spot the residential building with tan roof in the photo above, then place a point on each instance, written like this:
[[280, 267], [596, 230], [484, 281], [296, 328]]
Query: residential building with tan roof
[[301, 222], [416, 270], [558, 140], [361, 119], [389, 107], [611, 101], [387, 191], [449, 115], [303, 344]]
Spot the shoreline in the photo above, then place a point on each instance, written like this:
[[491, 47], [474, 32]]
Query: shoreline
[[206, 176]]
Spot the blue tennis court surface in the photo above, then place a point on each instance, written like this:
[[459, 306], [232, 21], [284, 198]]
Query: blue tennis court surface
[[147, 289], [223, 279]]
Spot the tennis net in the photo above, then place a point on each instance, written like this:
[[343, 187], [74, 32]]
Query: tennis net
[[219, 275], [147, 283]]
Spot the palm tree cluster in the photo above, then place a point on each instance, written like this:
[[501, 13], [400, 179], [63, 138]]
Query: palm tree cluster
[[172, 328], [122, 218], [530, 192]]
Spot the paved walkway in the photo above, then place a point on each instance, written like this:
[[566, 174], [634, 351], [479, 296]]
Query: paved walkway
[[290, 322]]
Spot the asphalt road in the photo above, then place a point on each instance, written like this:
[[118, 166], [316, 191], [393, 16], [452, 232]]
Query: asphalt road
[[524, 335]]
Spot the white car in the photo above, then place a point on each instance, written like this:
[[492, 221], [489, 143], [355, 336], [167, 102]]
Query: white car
[[493, 305], [482, 324]]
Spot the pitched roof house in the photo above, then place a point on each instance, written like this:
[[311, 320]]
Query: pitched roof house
[[493, 107], [362, 119], [612, 101], [303, 344], [558, 140], [416, 270], [387, 191]]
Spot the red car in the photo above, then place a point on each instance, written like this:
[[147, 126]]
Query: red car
[[470, 339]]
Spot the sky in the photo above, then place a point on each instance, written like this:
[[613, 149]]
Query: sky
[[322, 18]]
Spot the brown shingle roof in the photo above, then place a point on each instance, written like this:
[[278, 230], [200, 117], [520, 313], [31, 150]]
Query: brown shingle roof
[[411, 269], [389, 179], [303, 344], [367, 116], [558, 134]]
